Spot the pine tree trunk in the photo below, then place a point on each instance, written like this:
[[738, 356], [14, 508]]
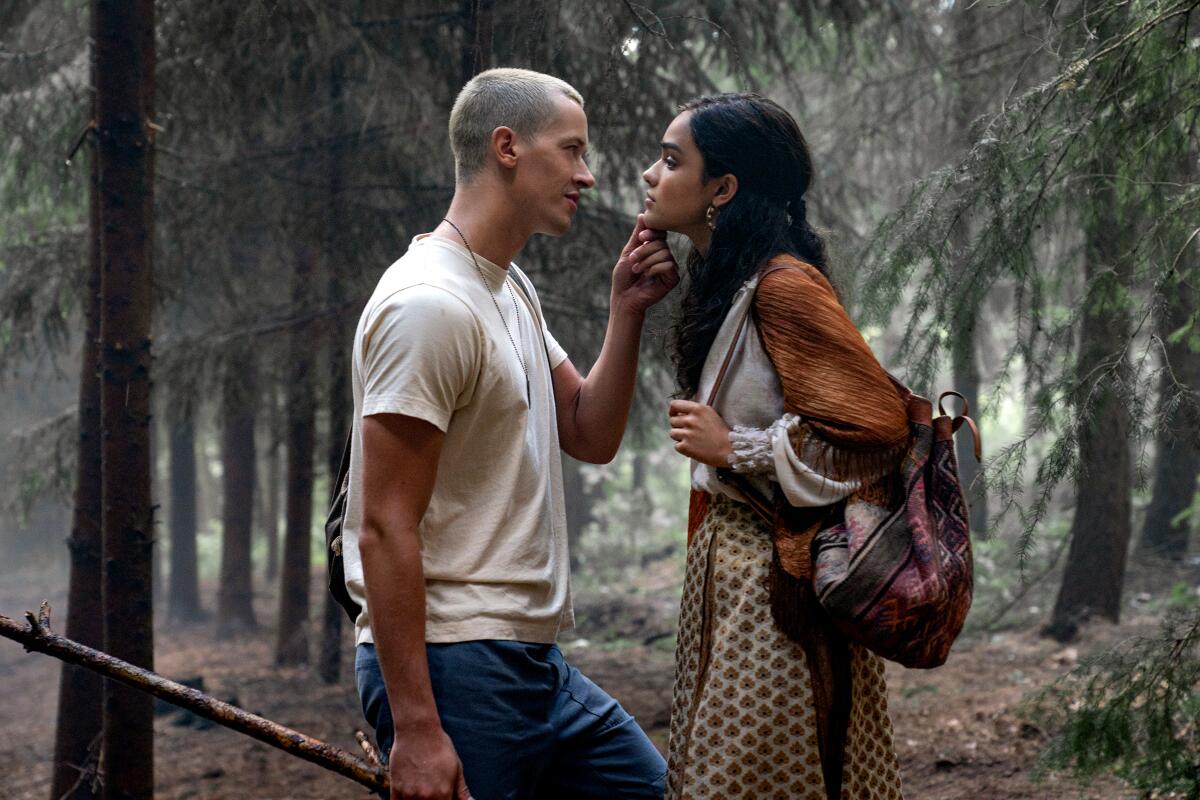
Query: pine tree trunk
[[479, 22], [235, 593], [80, 690], [124, 83], [291, 644], [1177, 444], [964, 342], [183, 601], [340, 409], [1100, 530], [272, 488], [578, 501]]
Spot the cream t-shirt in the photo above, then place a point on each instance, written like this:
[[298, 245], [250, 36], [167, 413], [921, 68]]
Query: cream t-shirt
[[431, 345]]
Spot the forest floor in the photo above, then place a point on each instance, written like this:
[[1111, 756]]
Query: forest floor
[[959, 731]]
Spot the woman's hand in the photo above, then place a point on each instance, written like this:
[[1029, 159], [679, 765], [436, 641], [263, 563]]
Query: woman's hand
[[700, 433]]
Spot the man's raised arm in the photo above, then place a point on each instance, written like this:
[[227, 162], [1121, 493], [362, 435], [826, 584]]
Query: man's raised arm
[[592, 411]]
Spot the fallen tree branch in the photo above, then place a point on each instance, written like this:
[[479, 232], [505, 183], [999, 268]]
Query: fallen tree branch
[[37, 637]]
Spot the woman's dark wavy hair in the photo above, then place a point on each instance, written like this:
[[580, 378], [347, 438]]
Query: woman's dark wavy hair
[[756, 140]]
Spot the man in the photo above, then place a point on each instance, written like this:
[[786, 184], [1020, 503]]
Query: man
[[455, 540]]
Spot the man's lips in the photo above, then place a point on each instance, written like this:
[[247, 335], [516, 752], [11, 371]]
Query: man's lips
[[574, 200]]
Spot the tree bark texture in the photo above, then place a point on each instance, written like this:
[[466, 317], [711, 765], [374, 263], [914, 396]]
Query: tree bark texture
[[479, 23], [183, 602], [1177, 442], [964, 342], [291, 644], [272, 488], [235, 592], [579, 502], [1100, 530], [124, 66], [80, 690], [340, 402]]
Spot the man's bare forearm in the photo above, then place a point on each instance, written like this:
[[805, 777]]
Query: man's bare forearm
[[395, 586], [602, 403]]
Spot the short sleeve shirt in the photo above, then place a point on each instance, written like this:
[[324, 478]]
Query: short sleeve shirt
[[439, 341]]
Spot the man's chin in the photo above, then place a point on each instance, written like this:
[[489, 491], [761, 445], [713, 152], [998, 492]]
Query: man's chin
[[556, 228]]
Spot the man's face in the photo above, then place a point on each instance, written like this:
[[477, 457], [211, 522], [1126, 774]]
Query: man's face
[[552, 170]]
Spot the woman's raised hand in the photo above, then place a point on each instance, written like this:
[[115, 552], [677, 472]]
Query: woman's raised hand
[[700, 433]]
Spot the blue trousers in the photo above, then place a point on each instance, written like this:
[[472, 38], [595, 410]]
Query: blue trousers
[[526, 725]]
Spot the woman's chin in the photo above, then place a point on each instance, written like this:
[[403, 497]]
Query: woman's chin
[[654, 220]]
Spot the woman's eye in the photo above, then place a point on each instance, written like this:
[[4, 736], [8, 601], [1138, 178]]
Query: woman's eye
[[670, 162]]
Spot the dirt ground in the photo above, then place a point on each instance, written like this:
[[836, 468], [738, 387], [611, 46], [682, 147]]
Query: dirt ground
[[957, 729]]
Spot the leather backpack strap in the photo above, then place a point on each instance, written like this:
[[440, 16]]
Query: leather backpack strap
[[737, 336]]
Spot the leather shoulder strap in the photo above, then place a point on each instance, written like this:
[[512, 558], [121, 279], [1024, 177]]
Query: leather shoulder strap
[[737, 336]]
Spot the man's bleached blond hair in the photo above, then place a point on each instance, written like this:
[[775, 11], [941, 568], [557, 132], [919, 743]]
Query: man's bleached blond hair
[[520, 99]]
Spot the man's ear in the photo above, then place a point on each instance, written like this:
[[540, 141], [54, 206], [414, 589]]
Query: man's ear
[[504, 146], [727, 186]]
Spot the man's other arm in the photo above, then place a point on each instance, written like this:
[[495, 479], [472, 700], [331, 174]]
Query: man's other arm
[[400, 456]]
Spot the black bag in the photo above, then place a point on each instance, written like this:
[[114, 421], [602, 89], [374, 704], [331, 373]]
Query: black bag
[[335, 566]]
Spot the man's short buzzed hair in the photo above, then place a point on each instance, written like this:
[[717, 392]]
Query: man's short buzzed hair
[[520, 99]]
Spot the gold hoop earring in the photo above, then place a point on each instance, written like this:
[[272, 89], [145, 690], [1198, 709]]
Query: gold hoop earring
[[710, 218]]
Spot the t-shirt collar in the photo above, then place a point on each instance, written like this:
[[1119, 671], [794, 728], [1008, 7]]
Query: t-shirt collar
[[494, 274]]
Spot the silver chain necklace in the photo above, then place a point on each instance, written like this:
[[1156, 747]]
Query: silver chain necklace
[[516, 311]]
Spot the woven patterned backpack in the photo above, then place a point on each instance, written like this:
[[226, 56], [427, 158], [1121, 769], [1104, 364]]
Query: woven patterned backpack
[[903, 587]]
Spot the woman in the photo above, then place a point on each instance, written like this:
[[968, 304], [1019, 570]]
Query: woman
[[804, 412]]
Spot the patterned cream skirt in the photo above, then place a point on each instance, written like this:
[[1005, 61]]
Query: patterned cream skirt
[[742, 720]]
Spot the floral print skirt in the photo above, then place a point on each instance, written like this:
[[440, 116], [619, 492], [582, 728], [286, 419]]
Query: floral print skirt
[[742, 719]]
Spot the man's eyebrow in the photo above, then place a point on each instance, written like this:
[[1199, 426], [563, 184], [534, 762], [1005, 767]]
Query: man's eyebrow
[[575, 140], [671, 146]]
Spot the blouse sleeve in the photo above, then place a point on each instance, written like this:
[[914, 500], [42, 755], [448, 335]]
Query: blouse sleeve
[[769, 452]]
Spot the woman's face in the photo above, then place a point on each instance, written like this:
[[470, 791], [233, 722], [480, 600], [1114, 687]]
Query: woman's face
[[677, 194]]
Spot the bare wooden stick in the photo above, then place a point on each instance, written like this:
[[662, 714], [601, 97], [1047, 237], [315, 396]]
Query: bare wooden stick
[[368, 748], [37, 637]]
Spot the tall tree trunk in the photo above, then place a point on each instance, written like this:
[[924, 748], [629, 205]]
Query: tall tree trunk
[[124, 85], [291, 644], [272, 488], [235, 593], [479, 22], [964, 344], [339, 417], [81, 690], [579, 502], [183, 603], [1177, 443], [330, 660], [1100, 530]]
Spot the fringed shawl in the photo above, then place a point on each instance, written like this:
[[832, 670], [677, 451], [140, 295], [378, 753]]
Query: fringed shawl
[[854, 424]]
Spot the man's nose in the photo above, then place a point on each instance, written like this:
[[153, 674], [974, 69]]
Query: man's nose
[[585, 179]]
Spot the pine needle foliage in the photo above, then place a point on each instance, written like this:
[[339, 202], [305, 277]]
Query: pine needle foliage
[[1120, 90], [1134, 711]]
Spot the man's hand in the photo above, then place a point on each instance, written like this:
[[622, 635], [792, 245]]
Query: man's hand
[[424, 766], [645, 271], [700, 433]]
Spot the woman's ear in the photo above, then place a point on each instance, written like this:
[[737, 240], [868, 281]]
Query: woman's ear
[[727, 186], [504, 146]]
